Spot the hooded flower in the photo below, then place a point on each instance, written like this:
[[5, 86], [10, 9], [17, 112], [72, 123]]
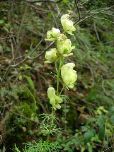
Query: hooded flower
[[53, 34], [64, 46], [54, 99], [67, 24], [51, 55], [69, 75]]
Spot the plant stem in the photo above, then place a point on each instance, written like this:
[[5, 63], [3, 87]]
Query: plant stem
[[58, 70], [62, 89], [58, 73]]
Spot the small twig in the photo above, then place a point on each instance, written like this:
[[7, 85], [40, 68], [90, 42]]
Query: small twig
[[14, 59], [43, 51], [27, 57], [93, 13], [50, 1], [78, 11], [97, 35]]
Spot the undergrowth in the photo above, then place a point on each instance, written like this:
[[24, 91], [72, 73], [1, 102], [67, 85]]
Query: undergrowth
[[85, 121]]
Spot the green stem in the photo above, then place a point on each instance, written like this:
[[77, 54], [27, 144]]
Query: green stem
[[58, 73], [58, 70], [62, 89], [53, 113]]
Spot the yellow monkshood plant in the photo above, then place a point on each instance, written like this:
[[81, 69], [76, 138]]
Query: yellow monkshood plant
[[63, 48]]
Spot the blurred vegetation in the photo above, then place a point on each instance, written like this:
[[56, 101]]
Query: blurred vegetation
[[86, 120]]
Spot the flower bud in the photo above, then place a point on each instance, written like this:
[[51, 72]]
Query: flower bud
[[53, 34], [67, 24], [69, 75], [54, 99], [51, 55]]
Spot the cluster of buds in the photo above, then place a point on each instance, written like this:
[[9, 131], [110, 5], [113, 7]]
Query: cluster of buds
[[63, 48]]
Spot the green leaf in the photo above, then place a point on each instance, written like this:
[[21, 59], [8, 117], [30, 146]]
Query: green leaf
[[30, 83], [89, 146], [112, 119], [88, 135], [101, 124], [1, 22]]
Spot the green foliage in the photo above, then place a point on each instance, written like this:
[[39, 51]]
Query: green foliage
[[19, 122], [48, 125], [97, 131], [41, 146], [78, 126]]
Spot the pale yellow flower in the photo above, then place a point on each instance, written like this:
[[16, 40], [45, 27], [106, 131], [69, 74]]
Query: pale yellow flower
[[69, 75], [51, 55], [54, 99], [67, 24], [53, 34], [64, 46], [61, 37]]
